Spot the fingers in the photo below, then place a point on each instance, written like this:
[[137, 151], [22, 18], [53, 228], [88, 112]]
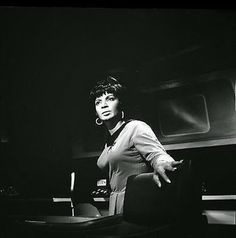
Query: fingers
[[157, 180], [170, 168], [163, 175], [176, 163]]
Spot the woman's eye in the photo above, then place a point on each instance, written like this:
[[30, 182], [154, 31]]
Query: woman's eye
[[111, 99], [97, 103]]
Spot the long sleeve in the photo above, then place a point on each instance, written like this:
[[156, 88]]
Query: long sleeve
[[148, 145]]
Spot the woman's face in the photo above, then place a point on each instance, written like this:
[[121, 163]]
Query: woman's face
[[107, 106]]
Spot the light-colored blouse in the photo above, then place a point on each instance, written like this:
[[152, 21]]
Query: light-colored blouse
[[132, 152]]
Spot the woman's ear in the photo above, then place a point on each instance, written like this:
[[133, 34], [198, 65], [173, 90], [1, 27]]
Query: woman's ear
[[120, 104]]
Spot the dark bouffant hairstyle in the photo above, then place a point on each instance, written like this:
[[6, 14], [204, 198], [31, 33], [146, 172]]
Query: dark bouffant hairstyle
[[109, 85]]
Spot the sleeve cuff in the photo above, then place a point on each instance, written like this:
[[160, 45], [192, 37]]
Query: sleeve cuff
[[163, 157]]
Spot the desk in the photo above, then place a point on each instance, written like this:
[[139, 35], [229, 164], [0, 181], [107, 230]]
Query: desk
[[58, 219], [220, 209]]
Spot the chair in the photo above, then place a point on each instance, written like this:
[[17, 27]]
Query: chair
[[149, 211], [87, 210]]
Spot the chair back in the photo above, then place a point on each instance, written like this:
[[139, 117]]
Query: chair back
[[146, 203]]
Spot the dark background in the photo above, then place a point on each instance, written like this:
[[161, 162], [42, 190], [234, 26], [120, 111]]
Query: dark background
[[50, 57]]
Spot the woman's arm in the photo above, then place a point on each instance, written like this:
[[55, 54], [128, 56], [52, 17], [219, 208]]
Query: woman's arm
[[151, 149]]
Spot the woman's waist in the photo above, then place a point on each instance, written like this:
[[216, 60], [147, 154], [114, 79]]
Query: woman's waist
[[118, 180], [117, 185], [117, 193]]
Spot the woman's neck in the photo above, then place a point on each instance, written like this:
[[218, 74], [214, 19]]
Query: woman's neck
[[113, 129]]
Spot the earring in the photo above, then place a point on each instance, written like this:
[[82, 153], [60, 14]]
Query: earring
[[122, 115], [98, 121]]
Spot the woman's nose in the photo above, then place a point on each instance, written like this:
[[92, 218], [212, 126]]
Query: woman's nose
[[104, 104]]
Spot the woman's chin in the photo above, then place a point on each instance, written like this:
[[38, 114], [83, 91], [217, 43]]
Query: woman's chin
[[107, 118]]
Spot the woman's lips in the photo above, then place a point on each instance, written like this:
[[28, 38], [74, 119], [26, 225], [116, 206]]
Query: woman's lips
[[105, 113]]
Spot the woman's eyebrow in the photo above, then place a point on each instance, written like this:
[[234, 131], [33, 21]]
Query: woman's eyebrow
[[110, 95], [97, 100]]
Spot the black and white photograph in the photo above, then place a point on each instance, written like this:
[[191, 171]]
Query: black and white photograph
[[117, 122]]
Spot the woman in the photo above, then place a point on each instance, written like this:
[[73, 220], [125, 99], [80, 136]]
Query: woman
[[131, 147]]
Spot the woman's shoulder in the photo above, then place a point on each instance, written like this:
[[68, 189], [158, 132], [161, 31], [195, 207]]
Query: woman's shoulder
[[134, 123]]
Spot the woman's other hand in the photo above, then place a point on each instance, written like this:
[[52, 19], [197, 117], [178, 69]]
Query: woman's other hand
[[160, 167]]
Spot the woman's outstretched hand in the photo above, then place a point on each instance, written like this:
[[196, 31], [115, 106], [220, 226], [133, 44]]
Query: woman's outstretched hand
[[160, 168]]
